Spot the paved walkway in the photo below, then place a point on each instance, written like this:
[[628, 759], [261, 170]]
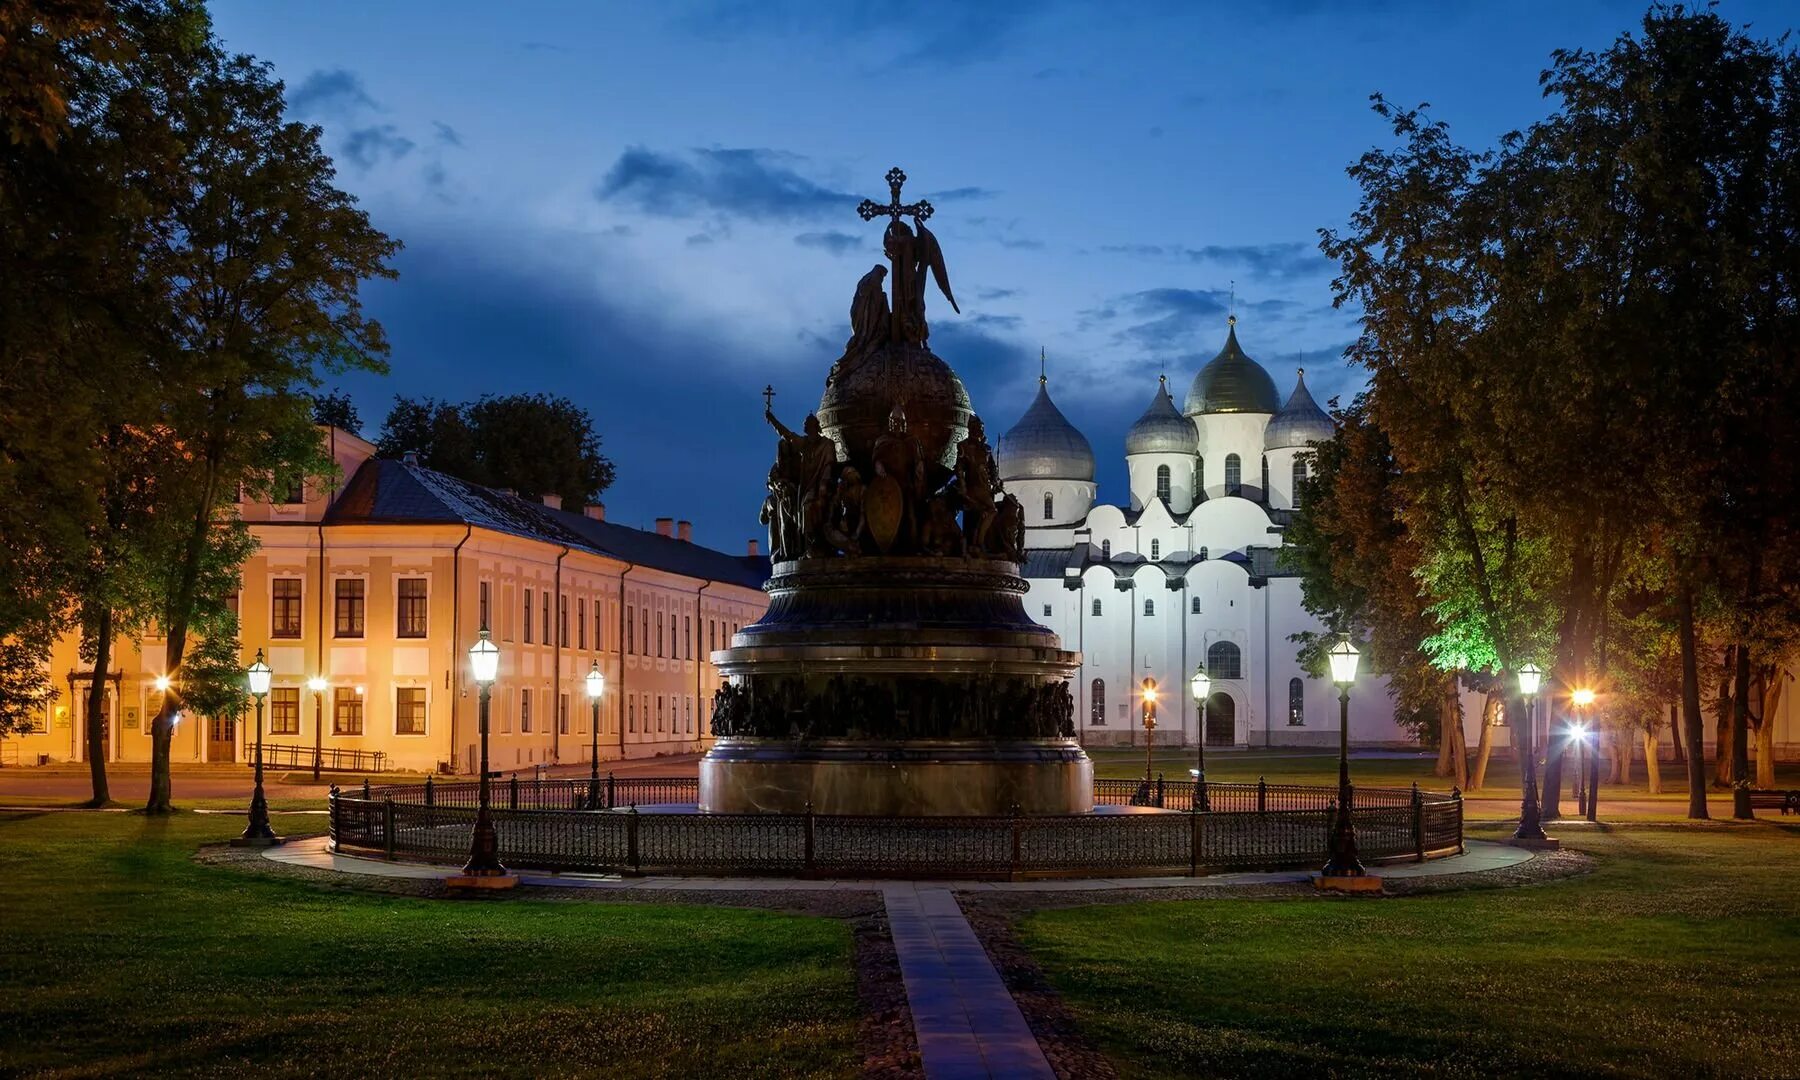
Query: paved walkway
[[967, 1022]]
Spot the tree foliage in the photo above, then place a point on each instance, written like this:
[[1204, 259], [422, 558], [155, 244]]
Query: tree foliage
[[535, 444]]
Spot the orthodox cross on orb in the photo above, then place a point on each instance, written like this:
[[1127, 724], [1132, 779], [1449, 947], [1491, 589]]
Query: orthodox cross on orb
[[768, 398], [870, 209]]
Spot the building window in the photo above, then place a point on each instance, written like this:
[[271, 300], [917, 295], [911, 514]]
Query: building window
[[410, 613], [1234, 475], [1049, 506], [1105, 550], [631, 714], [409, 710], [525, 712], [1296, 703], [1203, 554], [527, 616], [630, 628], [562, 621], [562, 713], [659, 647], [1162, 483], [644, 636], [1149, 607], [1224, 661], [581, 623], [1046, 611], [1156, 549], [485, 604], [284, 710], [349, 606], [687, 712], [1096, 608], [659, 712], [687, 635], [1194, 605], [712, 634], [284, 608], [1299, 480], [1097, 703], [346, 712], [598, 616], [546, 611], [296, 493]]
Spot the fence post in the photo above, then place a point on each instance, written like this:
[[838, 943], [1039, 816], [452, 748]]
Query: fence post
[[430, 798], [387, 827], [365, 787], [333, 826], [1418, 823], [513, 788], [631, 837], [1159, 791], [809, 837], [609, 789], [1262, 795], [1017, 827], [1456, 798], [1194, 837]]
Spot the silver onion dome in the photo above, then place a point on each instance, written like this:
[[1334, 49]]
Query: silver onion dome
[[1299, 422], [1162, 430], [1043, 445], [1231, 382]]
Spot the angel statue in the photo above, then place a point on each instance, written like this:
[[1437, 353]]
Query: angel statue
[[870, 323], [912, 256]]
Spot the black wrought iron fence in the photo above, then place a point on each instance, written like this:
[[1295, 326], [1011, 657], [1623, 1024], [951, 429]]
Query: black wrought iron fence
[[556, 825], [336, 759]]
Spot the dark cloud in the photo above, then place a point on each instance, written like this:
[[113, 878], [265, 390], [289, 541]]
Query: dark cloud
[[337, 92], [1004, 323], [370, 146], [1021, 243], [837, 243], [953, 194], [995, 294], [446, 134], [743, 182], [1275, 260], [543, 46], [926, 33]]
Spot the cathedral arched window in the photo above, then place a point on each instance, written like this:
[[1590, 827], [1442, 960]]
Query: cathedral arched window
[[1149, 607], [1224, 661], [1234, 475], [1265, 479], [1162, 482], [1296, 703], [1105, 550], [1097, 701], [1194, 605], [1156, 549], [1049, 506], [1096, 607], [1299, 479]]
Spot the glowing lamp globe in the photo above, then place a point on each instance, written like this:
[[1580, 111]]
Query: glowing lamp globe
[[259, 675], [162, 684], [1200, 684], [1343, 657], [596, 682], [1149, 691], [1582, 697], [1530, 678], [484, 660], [316, 684]]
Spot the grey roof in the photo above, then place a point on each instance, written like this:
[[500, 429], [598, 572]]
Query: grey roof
[[1050, 563], [1299, 422], [1162, 430], [396, 493], [1231, 382], [1043, 445]]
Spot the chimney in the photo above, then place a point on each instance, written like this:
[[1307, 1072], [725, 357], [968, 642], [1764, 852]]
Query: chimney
[[554, 502], [411, 457], [595, 510], [665, 526], [753, 549], [684, 530]]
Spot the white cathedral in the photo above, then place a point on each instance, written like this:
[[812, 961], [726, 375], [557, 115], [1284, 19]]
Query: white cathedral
[[1188, 575]]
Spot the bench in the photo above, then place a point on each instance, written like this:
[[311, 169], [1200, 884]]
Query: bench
[[1788, 802]]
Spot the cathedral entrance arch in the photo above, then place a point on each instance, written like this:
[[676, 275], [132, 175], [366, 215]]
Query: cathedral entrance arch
[[1221, 720]]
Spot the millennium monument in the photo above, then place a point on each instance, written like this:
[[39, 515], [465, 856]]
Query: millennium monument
[[895, 671]]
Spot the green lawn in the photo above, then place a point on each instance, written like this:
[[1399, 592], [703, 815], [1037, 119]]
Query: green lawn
[[121, 956], [1678, 956]]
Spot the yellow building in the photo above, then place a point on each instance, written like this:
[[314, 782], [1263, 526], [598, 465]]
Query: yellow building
[[377, 588]]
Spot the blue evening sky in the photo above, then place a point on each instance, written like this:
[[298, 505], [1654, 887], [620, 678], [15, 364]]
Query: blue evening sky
[[650, 208]]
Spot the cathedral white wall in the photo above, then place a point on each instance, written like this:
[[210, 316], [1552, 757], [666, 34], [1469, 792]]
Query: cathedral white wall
[[1281, 474], [1231, 433], [1070, 500], [1142, 469]]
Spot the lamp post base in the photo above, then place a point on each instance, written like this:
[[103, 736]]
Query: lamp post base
[[1535, 843], [505, 879], [1346, 883], [271, 840]]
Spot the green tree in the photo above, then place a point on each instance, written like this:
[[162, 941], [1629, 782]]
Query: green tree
[[336, 410], [535, 444]]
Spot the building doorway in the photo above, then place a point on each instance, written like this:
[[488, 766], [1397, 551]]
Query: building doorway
[[221, 738], [1221, 720]]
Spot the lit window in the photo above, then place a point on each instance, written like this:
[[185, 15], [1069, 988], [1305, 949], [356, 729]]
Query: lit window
[[562, 714], [527, 616], [284, 609], [546, 616], [1097, 703], [485, 604], [581, 622], [1224, 661], [1296, 703], [346, 712], [410, 616], [525, 711], [409, 710], [284, 710], [349, 607]]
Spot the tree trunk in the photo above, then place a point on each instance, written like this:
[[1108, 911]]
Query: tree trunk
[[96, 707], [1446, 739], [1675, 746], [1693, 723], [1740, 735], [1459, 747], [1765, 731], [1621, 770], [1484, 745], [1722, 735], [163, 729], [1652, 767]]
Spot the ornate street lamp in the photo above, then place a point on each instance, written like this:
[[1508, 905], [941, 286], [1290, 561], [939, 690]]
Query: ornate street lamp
[[257, 832], [1148, 692], [483, 870], [596, 685], [318, 685], [1531, 826], [1343, 861], [1201, 685]]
